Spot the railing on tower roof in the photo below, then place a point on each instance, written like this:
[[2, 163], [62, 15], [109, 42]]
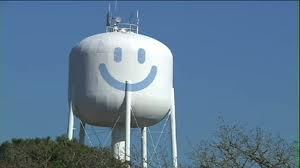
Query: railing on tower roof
[[115, 24], [122, 27]]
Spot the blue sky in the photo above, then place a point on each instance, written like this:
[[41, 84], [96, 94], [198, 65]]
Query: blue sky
[[234, 59]]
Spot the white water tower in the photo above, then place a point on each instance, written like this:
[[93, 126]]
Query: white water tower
[[117, 75]]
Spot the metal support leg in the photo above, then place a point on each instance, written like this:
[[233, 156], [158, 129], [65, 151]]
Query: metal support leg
[[120, 134], [71, 121], [144, 147], [173, 131], [128, 120], [82, 133], [118, 142]]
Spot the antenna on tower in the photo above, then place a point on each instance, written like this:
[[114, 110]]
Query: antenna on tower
[[116, 4], [137, 21], [114, 23], [108, 16]]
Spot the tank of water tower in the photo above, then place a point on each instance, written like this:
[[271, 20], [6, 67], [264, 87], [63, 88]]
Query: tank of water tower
[[101, 64]]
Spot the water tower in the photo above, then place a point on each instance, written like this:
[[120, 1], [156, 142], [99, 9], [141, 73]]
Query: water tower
[[117, 75]]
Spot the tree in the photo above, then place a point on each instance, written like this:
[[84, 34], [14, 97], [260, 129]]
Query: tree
[[61, 153], [236, 147]]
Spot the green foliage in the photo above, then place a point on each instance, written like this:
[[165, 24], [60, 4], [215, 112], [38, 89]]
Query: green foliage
[[61, 153]]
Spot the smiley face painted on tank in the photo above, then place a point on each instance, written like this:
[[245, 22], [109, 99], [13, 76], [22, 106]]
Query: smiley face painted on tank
[[117, 84]]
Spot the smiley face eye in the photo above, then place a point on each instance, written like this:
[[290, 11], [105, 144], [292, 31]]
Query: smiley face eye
[[118, 54], [141, 56]]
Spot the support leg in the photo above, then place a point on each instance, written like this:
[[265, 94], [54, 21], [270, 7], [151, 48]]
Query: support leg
[[71, 122], [144, 147], [128, 120], [173, 131], [120, 134], [118, 143], [82, 133]]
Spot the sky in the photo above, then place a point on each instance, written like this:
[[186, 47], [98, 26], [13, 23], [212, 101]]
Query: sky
[[238, 60]]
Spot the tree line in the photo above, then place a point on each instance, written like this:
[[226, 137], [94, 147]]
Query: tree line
[[233, 147]]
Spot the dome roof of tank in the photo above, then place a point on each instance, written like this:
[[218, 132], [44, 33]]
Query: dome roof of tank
[[95, 42]]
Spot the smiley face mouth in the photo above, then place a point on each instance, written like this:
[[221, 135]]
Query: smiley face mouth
[[121, 85]]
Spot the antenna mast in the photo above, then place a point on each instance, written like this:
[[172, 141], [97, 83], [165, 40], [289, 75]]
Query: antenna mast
[[115, 24], [137, 21], [108, 17]]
